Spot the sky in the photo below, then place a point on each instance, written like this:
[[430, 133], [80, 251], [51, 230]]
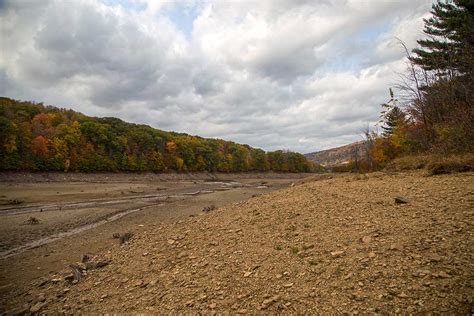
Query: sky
[[275, 74]]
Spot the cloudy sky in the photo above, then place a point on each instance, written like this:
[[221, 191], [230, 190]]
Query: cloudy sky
[[290, 74]]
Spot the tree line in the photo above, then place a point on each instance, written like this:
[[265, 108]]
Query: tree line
[[35, 137], [431, 109]]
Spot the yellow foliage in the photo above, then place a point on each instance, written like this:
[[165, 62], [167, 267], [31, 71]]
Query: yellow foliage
[[180, 164], [10, 144], [171, 146]]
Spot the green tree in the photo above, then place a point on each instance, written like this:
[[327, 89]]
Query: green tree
[[449, 48]]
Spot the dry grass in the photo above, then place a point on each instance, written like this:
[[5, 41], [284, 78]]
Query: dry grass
[[434, 164], [442, 165]]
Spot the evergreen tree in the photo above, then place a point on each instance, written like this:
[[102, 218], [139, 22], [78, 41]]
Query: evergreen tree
[[391, 115], [394, 118], [449, 48]]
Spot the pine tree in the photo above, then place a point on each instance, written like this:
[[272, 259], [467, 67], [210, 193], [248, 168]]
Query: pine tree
[[449, 48], [394, 118], [391, 115]]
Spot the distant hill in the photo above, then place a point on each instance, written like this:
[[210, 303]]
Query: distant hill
[[46, 138], [338, 155]]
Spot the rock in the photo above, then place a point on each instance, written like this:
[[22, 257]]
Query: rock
[[288, 285], [85, 258], [366, 239], [441, 274], [401, 200], [41, 298], [76, 272], [182, 254], [102, 263], [357, 297], [209, 208], [212, 305], [269, 301], [42, 282], [116, 235], [242, 311], [396, 246], [371, 254], [90, 265], [69, 277], [140, 283], [247, 274], [435, 258], [336, 254], [96, 263], [37, 307], [125, 237], [402, 295]]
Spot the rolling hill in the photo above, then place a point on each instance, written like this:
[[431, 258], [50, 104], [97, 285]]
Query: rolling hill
[[338, 155], [35, 137]]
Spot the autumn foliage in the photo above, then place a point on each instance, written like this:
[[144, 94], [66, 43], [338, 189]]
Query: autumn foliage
[[36, 137], [432, 111]]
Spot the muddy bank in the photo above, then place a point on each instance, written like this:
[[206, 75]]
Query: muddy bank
[[139, 177]]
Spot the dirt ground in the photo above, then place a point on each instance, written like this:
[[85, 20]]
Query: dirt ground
[[329, 244], [78, 213]]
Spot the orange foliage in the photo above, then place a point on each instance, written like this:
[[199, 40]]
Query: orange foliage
[[39, 146]]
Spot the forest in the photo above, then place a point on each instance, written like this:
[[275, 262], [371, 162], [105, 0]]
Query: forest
[[35, 137]]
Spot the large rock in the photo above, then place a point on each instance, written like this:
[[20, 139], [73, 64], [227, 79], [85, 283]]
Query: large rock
[[401, 200]]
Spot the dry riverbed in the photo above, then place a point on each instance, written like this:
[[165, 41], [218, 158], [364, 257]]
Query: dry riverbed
[[79, 213], [382, 243]]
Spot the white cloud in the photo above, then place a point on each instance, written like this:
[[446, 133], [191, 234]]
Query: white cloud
[[299, 75]]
